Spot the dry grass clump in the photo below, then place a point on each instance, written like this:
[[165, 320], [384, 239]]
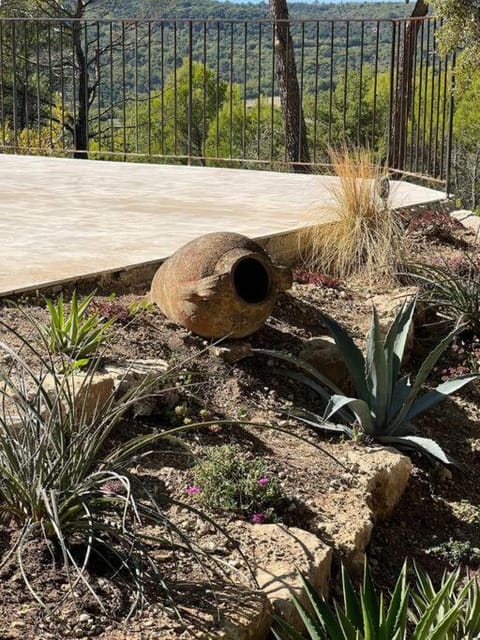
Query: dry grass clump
[[366, 237]]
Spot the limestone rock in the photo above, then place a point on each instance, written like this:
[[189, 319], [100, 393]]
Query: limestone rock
[[281, 553], [87, 393], [323, 354], [151, 374], [386, 473]]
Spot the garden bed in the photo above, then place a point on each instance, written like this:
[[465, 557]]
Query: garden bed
[[323, 491]]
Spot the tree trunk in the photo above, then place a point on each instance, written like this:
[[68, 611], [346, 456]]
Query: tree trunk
[[290, 100], [403, 90], [81, 123]]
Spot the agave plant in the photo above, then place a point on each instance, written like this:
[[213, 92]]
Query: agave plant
[[386, 403], [420, 612], [76, 334]]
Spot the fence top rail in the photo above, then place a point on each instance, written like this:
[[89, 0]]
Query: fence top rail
[[266, 20]]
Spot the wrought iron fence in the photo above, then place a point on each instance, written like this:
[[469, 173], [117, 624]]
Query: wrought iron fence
[[206, 91]]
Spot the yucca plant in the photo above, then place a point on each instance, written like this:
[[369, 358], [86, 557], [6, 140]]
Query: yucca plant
[[365, 237], [454, 295], [453, 609], [363, 616], [420, 612], [76, 333], [63, 482], [386, 403]]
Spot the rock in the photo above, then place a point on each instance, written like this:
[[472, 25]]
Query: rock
[[349, 516], [280, 554], [387, 306], [385, 477], [86, 393], [149, 374], [233, 352], [323, 354]]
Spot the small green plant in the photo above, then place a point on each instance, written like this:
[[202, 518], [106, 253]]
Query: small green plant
[[228, 481], [75, 333], [386, 403], [451, 612], [457, 552]]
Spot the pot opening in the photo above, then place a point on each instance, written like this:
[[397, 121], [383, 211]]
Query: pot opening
[[251, 280]]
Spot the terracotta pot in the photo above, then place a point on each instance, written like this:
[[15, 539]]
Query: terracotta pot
[[221, 284]]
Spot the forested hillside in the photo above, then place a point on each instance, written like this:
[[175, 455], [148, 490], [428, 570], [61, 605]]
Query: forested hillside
[[212, 9]]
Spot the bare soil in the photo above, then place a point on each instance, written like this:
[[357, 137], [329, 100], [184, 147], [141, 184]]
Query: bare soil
[[437, 521]]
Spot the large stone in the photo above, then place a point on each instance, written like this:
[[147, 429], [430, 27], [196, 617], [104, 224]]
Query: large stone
[[348, 513], [149, 375], [84, 394], [280, 554], [384, 474], [323, 354]]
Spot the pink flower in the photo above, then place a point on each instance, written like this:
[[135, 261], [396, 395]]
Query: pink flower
[[263, 481], [193, 490], [258, 518]]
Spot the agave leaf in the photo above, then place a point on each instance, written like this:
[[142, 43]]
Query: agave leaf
[[326, 619], [352, 606], [424, 445], [395, 622], [301, 364], [378, 382], [370, 606], [349, 630], [423, 372], [400, 393], [396, 340], [318, 422], [287, 631], [359, 407], [439, 394], [351, 355], [430, 627]]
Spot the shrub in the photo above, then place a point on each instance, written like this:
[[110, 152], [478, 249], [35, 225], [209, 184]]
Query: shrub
[[75, 334], [453, 289], [365, 237], [423, 612], [228, 481], [386, 403]]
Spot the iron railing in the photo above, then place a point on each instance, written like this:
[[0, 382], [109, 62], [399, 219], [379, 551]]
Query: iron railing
[[206, 91]]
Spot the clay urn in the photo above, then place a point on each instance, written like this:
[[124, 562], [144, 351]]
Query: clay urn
[[220, 284]]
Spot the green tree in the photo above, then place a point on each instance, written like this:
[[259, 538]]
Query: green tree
[[460, 30], [191, 98], [69, 58], [250, 130], [174, 122], [466, 149]]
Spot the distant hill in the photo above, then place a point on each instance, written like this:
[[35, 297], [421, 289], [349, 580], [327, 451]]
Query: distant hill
[[212, 9]]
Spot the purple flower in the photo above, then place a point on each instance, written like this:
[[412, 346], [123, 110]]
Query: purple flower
[[258, 518], [192, 490], [263, 481]]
